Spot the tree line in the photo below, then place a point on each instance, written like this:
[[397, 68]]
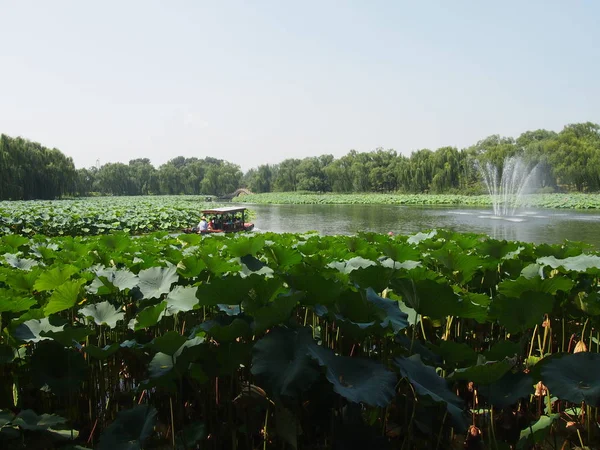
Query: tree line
[[568, 160]]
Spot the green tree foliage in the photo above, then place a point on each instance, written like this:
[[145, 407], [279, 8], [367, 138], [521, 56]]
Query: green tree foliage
[[29, 171], [567, 161]]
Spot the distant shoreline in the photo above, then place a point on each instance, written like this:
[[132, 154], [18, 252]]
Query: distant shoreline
[[557, 201]]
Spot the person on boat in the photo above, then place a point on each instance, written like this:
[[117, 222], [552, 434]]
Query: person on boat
[[203, 225]]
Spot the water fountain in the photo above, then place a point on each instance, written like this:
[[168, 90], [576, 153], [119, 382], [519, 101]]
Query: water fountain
[[506, 189]]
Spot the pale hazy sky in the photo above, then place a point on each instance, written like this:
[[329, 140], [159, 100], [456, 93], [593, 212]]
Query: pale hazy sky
[[259, 81]]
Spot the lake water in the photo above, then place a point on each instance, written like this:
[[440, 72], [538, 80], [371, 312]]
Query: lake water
[[531, 225]]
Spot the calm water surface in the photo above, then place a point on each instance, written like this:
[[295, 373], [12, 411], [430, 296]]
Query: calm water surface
[[539, 225]]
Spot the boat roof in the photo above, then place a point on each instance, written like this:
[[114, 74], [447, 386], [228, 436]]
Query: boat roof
[[224, 210]]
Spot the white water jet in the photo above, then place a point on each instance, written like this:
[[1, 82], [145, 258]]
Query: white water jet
[[507, 188]]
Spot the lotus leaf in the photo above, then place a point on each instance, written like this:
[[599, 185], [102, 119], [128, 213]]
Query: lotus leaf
[[508, 389], [102, 314], [181, 299], [64, 297], [574, 377], [20, 263], [55, 277], [157, 281], [579, 263], [427, 382], [518, 314], [485, 373], [282, 364], [34, 330], [536, 432], [59, 369], [130, 429], [356, 379]]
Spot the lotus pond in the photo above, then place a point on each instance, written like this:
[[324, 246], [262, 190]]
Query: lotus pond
[[429, 340]]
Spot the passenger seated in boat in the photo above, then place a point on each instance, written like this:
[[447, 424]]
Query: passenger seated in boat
[[203, 225]]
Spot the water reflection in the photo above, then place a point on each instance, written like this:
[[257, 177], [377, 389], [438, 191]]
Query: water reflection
[[538, 226]]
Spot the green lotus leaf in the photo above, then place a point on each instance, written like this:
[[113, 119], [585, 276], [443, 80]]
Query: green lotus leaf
[[130, 429], [29, 420], [220, 266], [420, 237], [190, 436], [376, 277], [102, 314], [519, 314], [428, 297], [64, 297], [281, 362], [230, 356], [11, 301], [116, 242], [455, 353], [319, 290], [574, 377], [532, 271], [110, 280], [415, 347], [497, 250], [508, 390], [358, 262], [7, 355], [472, 305], [387, 311], [60, 370], [191, 266], [181, 299], [252, 265], [34, 330], [102, 353], [224, 328], [283, 257], [69, 335], [160, 365], [275, 312], [243, 245], [503, 349], [179, 351], [588, 303], [20, 263], [537, 432], [457, 262], [15, 240], [157, 281], [148, 317], [427, 382], [229, 290], [168, 343], [6, 417], [395, 265], [579, 263], [55, 277], [23, 281], [400, 251], [516, 288], [486, 373], [356, 379]]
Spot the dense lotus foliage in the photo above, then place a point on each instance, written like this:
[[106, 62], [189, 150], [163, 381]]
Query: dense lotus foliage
[[297, 341], [566, 201], [101, 215]]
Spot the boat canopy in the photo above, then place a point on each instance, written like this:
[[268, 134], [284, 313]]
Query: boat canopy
[[225, 210]]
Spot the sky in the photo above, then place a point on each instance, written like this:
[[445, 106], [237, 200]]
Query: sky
[[256, 82]]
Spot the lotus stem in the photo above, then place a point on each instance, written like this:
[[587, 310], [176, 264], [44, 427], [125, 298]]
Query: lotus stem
[[172, 421], [532, 341], [265, 429]]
